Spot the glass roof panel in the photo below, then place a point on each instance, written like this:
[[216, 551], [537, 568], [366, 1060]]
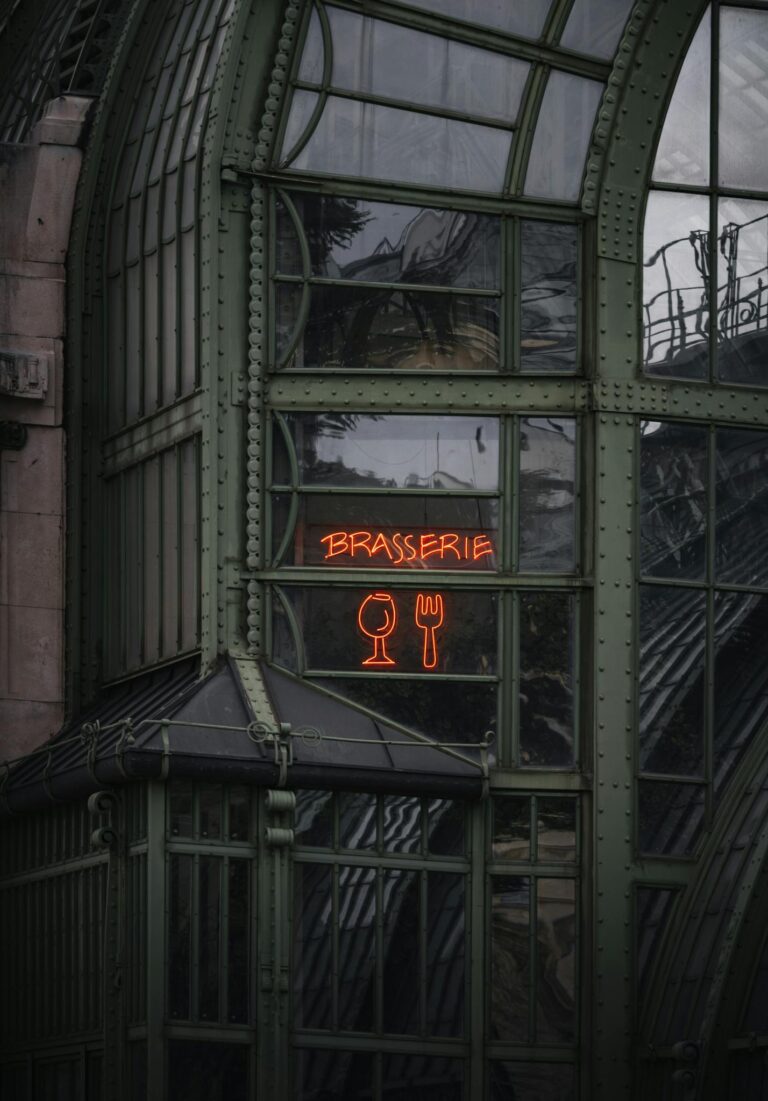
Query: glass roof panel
[[370, 141], [522, 17], [561, 139], [743, 123], [594, 26], [378, 58], [683, 151]]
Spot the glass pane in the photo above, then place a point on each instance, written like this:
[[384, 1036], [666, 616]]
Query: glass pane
[[676, 285], [742, 294], [180, 936], [756, 1011], [532, 1081], [397, 630], [375, 242], [682, 155], [313, 823], [210, 811], [742, 506], [670, 817], [446, 711], [362, 328], [209, 918], [548, 297], [313, 54], [595, 26], [384, 59], [312, 949], [672, 680], [341, 1075], [181, 803], [358, 827], [238, 958], [208, 1072], [407, 533], [673, 500], [511, 827], [239, 813], [402, 823], [561, 138], [741, 686], [446, 827], [556, 964], [373, 142], [510, 957], [408, 452], [357, 950], [302, 105], [422, 1078], [402, 969], [546, 679], [555, 828], [446, 971], [743, 124], [653, 906], [287, 248], [525, 17], [547, 489]]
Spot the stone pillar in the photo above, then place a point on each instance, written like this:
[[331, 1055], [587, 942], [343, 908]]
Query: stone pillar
[[37, 185]]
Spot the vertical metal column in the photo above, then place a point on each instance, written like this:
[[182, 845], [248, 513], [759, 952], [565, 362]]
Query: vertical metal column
[[156, 918]]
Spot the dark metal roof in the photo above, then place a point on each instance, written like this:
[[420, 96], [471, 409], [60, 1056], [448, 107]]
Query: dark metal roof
[[239, 722]]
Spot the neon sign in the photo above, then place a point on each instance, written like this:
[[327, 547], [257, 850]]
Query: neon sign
[[377, 619], [403, 548]]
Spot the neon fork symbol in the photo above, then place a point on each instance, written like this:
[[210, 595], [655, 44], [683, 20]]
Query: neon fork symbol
[[429, 616]]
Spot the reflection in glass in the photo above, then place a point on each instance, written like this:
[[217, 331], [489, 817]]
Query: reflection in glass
[[511, 827], [313, 822], [547, 487], [445, 954], [405, 452], [329, 623], [532, 1081], [670, 817], [741, 495], [546, 679], [594, 27], [209, 920], [741, 678], [313, 53], [358, 239], [672, 680], [743, 122], [561, 138], [673, 500], [312, 946], [402, 823], [238, 929], [401, 948], [548, 295], [357, 820], [676, 285], [446, 711], [682, 155], [653, 906], [556, 963], [555, 828], [373, 142], [204, 1071], [374, 57], [180, 944], [510, 957], [742, 291], [181, 806], [287, 248], [422, 1077], [446, 827], [356, 924], [302, 105], [341, 1075], [525, 18], [356, 328]]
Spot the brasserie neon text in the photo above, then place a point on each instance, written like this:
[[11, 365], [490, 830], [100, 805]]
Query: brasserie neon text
[[401, 548]]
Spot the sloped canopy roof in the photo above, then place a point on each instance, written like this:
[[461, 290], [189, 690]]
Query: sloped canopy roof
[[239, 722]]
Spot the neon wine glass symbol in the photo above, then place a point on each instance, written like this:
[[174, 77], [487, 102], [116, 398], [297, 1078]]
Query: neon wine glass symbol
[[377, 618]]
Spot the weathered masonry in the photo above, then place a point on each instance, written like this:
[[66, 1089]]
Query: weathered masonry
[[383, 587]]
